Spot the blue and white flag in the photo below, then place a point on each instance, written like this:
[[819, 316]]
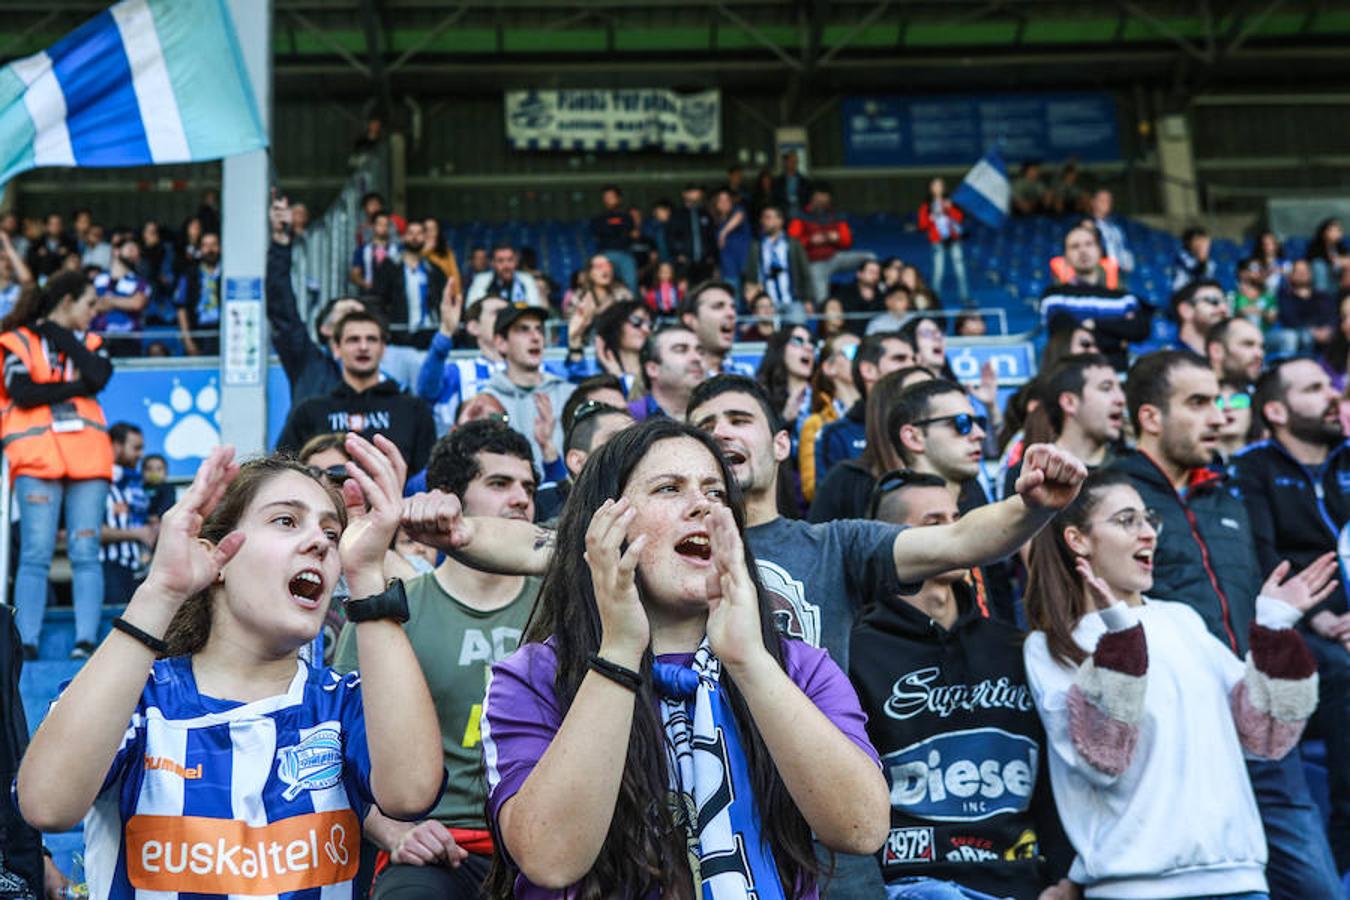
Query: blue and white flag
[[985, 191], [144, 82]]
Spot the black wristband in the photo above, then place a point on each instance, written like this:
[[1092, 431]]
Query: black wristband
[[616, 673], [149, 640], [392, 604]]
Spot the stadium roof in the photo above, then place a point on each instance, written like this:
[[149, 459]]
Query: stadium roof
[[352, 46]]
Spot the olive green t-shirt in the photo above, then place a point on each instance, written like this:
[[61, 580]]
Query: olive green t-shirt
[[456, 647]]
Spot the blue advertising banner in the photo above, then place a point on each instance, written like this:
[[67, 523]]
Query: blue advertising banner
[[956, 130], [178, 409]]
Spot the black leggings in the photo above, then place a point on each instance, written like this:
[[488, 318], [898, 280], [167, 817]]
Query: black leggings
[[403, 882]]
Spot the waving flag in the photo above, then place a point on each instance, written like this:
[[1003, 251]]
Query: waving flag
[[145, 82], [985, 190]]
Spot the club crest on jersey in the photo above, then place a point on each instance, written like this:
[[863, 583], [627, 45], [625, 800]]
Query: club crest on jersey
[[311, 765]]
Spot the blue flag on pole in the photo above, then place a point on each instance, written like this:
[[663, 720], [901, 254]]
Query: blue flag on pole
[[142, 83], [985, 191]]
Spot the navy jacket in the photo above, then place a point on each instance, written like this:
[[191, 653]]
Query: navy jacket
[[844, 438], [1295, 514]]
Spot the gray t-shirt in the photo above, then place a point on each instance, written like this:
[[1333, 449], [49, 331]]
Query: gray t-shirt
[[822, 575]]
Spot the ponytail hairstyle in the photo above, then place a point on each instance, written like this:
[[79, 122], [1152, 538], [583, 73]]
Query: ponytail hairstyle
[[36, 303], [191, 624], [1056, 598], [646, 850]]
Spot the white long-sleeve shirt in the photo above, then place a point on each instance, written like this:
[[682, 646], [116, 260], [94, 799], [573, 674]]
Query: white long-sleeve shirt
[[1181, 819]]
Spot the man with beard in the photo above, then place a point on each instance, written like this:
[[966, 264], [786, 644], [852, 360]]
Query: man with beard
[[821, 575], [1236, 350], [1208, 560], [505, 280], [199, 302], [410, 290], [1198, 307], [364, 401], [1296, 486], [938, 678], [460, 621]]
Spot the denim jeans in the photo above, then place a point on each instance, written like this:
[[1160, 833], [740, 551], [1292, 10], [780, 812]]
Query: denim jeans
[[952, 248], [932, 889], [1333, 722], [1249, 895], [40, 502], [1300, 864], [854, 877]]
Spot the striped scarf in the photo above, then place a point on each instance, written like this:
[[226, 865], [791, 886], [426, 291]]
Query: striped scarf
[[711, 785]]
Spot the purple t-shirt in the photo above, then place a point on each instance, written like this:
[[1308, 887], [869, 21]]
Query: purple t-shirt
[[521, 716]]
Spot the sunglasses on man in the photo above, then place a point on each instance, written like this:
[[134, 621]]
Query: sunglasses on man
[[962, 423]]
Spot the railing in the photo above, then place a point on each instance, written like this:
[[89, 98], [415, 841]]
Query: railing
[[321, 258]]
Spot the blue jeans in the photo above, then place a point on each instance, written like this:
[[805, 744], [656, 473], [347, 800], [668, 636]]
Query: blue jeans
[[932, 889], [854, 877], [1333, 721], [39, 515], [1300, 864], [952, 248]]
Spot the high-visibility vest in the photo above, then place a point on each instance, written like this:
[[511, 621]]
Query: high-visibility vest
[[68, 441], [1064, 273]]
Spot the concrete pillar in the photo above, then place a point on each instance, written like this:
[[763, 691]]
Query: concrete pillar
[[244, 198], [1176, 163]]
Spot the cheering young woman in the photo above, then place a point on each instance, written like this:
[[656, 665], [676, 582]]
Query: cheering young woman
[[234, 767], [1147, 715], [655, 736]]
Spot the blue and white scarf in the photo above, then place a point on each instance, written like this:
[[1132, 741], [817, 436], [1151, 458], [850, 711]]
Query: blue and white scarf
[[710, 783], [776, 271]]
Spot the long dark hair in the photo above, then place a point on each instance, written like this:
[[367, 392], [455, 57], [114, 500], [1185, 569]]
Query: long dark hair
[[191, 624], [772, 373], [645, 850], [1056, 598], [37, 303], [1320, 247]]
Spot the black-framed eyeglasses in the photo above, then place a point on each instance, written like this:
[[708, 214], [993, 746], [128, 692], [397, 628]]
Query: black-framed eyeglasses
[[1133, 520], [963, 423]]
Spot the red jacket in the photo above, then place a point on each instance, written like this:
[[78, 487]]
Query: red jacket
[[810, 223], [928, 226]]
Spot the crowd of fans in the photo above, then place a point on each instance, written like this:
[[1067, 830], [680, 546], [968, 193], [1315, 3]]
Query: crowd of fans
[[842, 557]]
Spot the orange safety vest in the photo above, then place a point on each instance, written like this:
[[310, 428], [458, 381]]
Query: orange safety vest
[[1064, 273], [65, 441]]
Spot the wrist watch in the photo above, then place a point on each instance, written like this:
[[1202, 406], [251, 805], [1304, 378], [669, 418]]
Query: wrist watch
[[392, 603]]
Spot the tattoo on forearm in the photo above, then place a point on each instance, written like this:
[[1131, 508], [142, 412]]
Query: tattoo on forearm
[[544, 539]]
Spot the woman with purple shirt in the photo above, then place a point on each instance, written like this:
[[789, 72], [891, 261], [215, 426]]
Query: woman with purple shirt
[[654, 735]]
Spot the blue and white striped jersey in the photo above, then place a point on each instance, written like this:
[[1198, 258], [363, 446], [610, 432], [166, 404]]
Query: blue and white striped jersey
[[210, 797]]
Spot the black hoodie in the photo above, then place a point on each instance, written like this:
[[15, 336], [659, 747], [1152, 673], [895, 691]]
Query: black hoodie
[[382, 409], [952, 717]]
